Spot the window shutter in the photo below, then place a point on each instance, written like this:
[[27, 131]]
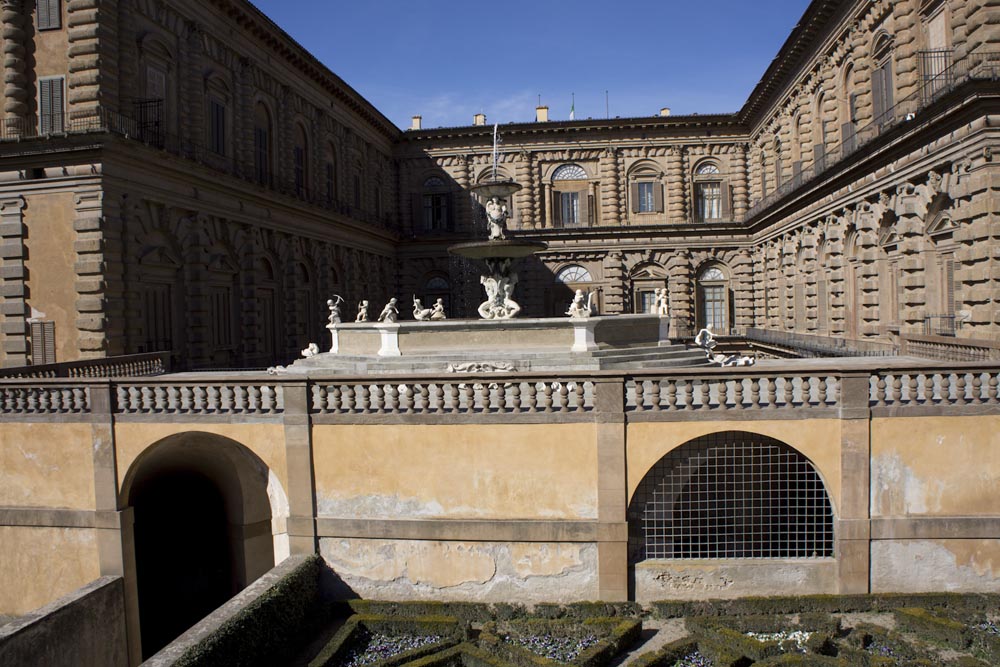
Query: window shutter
[[49, 15], [878, 94], [949, 280], [556, 208], [726, 212], [796, 169], [819, 158], [586, 209], [887, 86], [633, 194], [852, 107], [658, 197], [847, 137], [43, 343]]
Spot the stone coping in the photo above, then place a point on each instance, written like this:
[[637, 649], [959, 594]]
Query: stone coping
[[514, 323]]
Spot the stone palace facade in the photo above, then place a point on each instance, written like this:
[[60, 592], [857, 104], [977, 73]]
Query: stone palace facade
[[183, 176]]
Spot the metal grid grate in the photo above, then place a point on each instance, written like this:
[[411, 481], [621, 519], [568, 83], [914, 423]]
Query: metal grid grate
[[731, 495]]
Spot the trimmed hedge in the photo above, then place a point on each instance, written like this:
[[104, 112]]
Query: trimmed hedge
[[831, 604], [667, 655], [447, 627], [478, 612], [934, 628], [270, 629], [614, 635], [466, 612]]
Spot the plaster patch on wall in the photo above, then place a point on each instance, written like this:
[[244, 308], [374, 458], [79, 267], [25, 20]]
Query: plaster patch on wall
[[482, 571], [379, 507], [659, 580], [896, 489], [916, 566]]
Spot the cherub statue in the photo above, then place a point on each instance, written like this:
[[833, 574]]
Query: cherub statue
[[334, 306], [311, 351], [580, 307], [419, 312], [362, 312], [390, 313], [437, 312], [496, 218]]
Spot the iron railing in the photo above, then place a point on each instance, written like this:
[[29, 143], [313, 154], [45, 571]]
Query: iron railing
[[939, 76]]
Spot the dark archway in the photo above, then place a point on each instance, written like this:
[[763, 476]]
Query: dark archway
[[201, 531], [184, 558]]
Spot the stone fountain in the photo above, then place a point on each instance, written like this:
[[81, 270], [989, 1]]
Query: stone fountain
[[497, 252], [498, 341]]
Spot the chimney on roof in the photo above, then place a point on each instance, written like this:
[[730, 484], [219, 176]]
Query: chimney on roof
[[665, 111], [541, 114], [479, 119], [415, 122]]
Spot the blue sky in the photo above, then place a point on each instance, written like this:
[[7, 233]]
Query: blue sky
[[447, 61]]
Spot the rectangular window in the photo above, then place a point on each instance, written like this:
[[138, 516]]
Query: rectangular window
[[357, 191], [262, 155], [49, 14], [157, 318], [708, 198], [569, 208], [50, 105], [299, 160], [217, 126], [156, 83], [647, 201], [220, 314], [435, 212], [645, 300], [329, 183], [43, 342]]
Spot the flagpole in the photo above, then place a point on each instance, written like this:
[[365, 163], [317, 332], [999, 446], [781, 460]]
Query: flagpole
[[572, 108]]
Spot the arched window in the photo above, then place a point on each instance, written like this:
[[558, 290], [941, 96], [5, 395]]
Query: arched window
[[848, 111], [645, 189], [262, 139], [883, 85], [731, 495], [572, 200], [574, 273], [713, 302], [763, 174], [217, 103], [819, 133], [300, 161], [779, 176], [711, 193], [436, 287], [434, 211]]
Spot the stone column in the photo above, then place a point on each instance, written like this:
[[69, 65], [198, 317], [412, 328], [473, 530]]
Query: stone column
[[547, 196], [612, 491], [738, 164], [610, 194], [14, 283], [300, 485], [16, 92], [853, 529]]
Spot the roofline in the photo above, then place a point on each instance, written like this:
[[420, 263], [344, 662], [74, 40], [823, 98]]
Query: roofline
[[252, 19]]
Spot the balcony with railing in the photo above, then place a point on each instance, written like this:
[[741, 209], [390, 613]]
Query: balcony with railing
[[939, 76]]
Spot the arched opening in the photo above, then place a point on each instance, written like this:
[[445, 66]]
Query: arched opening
[[646, 279], [300, 161], [572, 201], [726, 496], [202, 530], [883, 83], [714, 303], [568, 279], [711, 193]]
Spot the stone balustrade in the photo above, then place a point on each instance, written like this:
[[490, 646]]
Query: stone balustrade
[[807, 391]]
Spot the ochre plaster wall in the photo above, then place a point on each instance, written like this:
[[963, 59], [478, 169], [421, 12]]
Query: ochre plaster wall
[[818, 439], [485, 571], [51, 256], [46, 465], [52, 49], [917, 566], [496, 471], [39, 565], [267, 441], [946, 466]]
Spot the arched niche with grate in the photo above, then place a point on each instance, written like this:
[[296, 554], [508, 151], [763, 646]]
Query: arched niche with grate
[[731, 495]]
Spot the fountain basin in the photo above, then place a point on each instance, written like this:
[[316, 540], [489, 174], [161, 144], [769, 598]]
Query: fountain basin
[[501, 189], [500, 249], [529, 344]]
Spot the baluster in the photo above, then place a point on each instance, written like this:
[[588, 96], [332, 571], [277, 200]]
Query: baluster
[[880, 390], [977, 388], [788, 395], [438, 390], [35, 399], [198, 398], [532, 397], [407, 391], [671, 394], [134, 399], [146, 398], [896, 393], [392, 398], [334, 402], [944, 387], [268, 398], [722, 393], [960, 389], [927, 386], [454, 404], [563, 403], [738, 393], [55, 396], [253, 398], [364, 399], [159, 398], [688, 395], [772, 392], [578, 389], [226, 398], [640, 398], [470, 396], [515, 397], [755, 393], [80, 398], [656, 395], [348, 398], [991, 389], [240, 398], [547, 397], [911, 389], [425, 400], [705, 395]]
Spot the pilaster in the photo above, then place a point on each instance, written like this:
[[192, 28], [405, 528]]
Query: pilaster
[[612, 491], [301, 484], [853, 534], [13, 284], [16, 90]]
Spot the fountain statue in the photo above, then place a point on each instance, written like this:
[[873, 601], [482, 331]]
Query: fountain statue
[[498, 252]]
